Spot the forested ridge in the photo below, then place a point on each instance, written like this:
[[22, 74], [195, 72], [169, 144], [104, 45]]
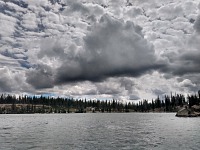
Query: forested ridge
[[43, 104]]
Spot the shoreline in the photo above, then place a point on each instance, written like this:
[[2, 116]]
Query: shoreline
[[44, 109]]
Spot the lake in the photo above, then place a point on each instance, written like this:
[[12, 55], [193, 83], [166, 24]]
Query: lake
[[99, 131]]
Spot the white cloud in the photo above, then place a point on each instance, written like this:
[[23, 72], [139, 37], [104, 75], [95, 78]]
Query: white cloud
[[187, 83], [13, 81], [29, 21], [7, 24]]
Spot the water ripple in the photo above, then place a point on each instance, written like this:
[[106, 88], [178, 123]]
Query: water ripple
[[99, 131]]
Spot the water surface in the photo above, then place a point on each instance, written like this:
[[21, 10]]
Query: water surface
[[99, 131]]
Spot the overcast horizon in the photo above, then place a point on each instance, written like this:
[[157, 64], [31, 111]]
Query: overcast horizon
[[100, 49]]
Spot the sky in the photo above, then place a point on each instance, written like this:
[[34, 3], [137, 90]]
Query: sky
[[100, 49]]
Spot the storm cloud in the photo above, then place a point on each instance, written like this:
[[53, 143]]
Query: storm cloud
[[112, 48], [41, 77]]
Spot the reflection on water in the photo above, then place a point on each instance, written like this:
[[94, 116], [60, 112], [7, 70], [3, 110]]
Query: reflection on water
[[104, 131]]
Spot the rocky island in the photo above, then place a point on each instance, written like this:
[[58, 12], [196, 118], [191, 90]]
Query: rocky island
[[194, 111]]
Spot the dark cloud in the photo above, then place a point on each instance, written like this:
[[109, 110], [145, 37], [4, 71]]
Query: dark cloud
[[159, 92], [8, 54], [55, 1], [128, 84], [180, 64], [107, 88], [19, 3], [4, 85], [41, 77], [181, 67], [112, 48], [51, 48], [25, 64], [134, 97]]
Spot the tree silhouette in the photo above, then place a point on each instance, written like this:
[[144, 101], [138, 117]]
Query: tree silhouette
[[43, 104]]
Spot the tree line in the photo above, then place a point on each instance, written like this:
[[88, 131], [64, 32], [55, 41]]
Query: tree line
[[44, 104]]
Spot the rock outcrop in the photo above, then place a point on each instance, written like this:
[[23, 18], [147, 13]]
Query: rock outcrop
[[194, 111]]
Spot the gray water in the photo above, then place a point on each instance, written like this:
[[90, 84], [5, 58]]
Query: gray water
[[100, 131]]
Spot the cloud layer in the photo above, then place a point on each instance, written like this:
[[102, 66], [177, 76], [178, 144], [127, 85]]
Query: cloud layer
[[90, 47]]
